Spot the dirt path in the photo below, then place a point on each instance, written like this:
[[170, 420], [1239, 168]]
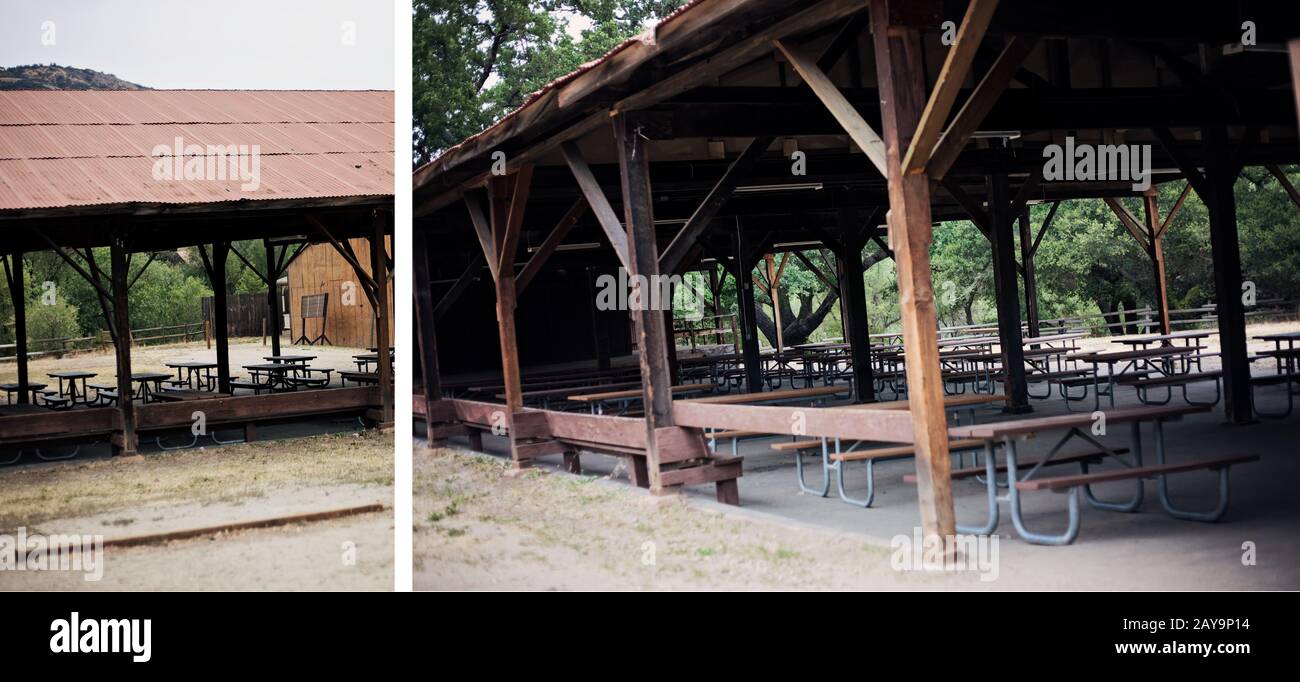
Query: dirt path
[[477, 528], [117, 497]]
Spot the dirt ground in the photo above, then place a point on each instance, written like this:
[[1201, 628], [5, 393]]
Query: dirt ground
[[152, 359], [478, 528], [117, 497]]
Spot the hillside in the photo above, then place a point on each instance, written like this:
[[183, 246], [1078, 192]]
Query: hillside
[[55, 77]]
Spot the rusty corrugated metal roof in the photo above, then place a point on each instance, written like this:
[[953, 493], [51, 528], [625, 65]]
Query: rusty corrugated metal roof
[[79, 148]]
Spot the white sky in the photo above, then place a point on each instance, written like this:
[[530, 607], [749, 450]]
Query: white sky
[[220, 44]]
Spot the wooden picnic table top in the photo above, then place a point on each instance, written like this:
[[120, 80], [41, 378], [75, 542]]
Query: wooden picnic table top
[[269, 367], [149, 376], [1018, 427], [72, 374], [949, 402], [764, 396], [968, 341], [290, 358], [191, 364], [176, 395], [1281, 336], [1140, 354], [1189, 334], [632, 393], [1050, 338]]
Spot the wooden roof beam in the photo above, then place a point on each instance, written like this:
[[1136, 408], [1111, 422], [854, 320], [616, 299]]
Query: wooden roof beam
[[600, 205], [956, 67], [867, 139], [677, 250]]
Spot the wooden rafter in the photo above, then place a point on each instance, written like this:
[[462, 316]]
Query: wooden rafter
[[600, 205], [978, 106], [468, 276], [952, 76], [1047, 222], [1129, 220], [1193, 174], [152, 256], [968, 204], [482, 230], [1178, 206], [552, 241], [509, 240], [867, 139], [816, 271], [264, 277], [675, 255], [1286, 183], [368, 285]]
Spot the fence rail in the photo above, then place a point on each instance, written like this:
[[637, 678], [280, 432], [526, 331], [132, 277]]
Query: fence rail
[[40, 347]]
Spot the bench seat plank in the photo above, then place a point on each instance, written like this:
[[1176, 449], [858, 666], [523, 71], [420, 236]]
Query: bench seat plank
[[1059, 482]]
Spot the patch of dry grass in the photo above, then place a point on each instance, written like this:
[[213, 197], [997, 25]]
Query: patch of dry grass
[[33, 493]]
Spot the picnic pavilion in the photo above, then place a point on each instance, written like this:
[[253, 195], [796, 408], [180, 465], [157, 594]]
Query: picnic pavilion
[[149, 171], [674, 153]]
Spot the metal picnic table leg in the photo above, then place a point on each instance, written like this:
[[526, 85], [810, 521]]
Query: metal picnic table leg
[[1135, 502], [1162, 485], [826, 474], [990, 469], [1072, 526]]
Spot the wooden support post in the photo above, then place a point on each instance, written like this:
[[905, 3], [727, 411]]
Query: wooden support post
[[745, 305], [774, 295], [1156, 251], [1220, 176], [643, 256], [18, 292], [1006, 292], [220, 325], [273, 295], [425, 327], [126, 440], [902, 96], [378, 272], [502, 192], [1027, 270], [853, 302]]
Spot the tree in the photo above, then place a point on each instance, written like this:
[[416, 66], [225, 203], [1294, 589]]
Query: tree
[[476, 61]]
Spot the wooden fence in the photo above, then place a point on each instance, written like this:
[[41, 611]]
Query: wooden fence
[[245, 314]]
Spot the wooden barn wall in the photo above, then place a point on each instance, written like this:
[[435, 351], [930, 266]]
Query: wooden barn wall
[[245, 314], [554, 322], [320, 269]]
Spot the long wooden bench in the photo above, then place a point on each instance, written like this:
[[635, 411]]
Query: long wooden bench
[[818, 392], [1090, 457], [1144, 384], [1152, 471]]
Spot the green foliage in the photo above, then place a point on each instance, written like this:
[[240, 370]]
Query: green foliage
[[57, 320], [476, 61]]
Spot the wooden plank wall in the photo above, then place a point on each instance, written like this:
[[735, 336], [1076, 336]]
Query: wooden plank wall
[[244, 314], [320, 269]]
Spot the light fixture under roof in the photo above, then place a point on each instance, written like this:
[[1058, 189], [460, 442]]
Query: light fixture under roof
[[793, 187]]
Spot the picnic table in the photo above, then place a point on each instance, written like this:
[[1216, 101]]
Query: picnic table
[[1079, 426], [1289, 337], [837, 459], [11, 389], [1134, 358], [72, 376], [145, 392], [292, 359], [193, 373], [275, 373], [1190, 337]]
